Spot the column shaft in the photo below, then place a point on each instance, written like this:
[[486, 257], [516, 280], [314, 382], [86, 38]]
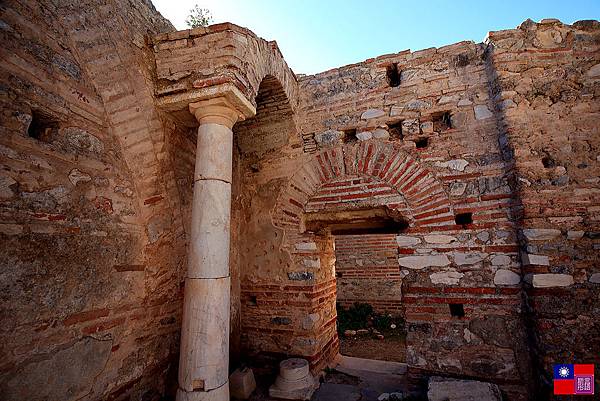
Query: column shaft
[[204, 359]]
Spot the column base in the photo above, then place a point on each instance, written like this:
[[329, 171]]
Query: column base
[[218, 394]]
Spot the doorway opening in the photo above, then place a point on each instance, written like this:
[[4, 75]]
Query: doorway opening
[[370, 319]]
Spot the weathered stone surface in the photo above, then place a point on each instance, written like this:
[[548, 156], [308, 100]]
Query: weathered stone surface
[[364, 135], [420, 262], [406, 241], [198, 327], [218, 394], [532, 259], [468, 258], [301, 276], [83, 140], [506, 277], [76, 176], [547, 280], [540, 234], [417, 105], [372, 113], [242, 383], [501, 331], [450, 277], [501, 260], [439, 239], [396, 396], [329, 138], [482, 112], [427, 127], [62, 373], [448, 99], [6, 187], [306, 246], [130, 224], [594, 71], [573, 235], [440, 389], [547, 38], [380, 133], [483, 236], [595, 278], [458, 188], [310, 321], [411, 126], [457, 164], [295, 381], [314, 263]]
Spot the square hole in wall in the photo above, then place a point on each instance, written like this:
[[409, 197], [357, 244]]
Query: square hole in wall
[[463, 219], [350, 135], [548, 162], [252, 300], [395, 130], [393, 75], [442, 121], [42, 127], [457, 310], [422, 143]]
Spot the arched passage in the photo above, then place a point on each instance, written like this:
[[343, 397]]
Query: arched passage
[[422, 198], [290, 308], [273, 124]]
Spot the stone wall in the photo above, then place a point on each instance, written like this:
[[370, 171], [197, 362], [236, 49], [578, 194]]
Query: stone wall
[[366, 269], [546, 85], [92, 240], [484, 155], [442, 118], [428, 137]]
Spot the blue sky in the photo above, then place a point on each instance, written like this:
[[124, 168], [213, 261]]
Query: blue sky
[[315, 35]]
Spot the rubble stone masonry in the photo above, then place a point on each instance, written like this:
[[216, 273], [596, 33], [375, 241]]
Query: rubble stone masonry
[[484, 158]]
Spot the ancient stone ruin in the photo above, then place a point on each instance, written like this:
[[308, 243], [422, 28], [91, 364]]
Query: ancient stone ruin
[[177, 202]]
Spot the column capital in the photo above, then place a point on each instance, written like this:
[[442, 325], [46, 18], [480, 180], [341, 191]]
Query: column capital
[[224, 107]]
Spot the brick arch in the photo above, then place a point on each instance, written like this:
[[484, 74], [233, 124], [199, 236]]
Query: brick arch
[[269, 66], [313, 256], [220, 54], [273, 123], [425, 201]]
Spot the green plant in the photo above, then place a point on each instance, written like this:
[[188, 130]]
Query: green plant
[[382, 322], [355, 317], [361, 316], [198, 17]]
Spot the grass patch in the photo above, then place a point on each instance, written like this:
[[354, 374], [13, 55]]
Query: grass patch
[[361, 316]]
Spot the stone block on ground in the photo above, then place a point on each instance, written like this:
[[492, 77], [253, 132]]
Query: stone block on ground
[[442, 389], [242, 383]]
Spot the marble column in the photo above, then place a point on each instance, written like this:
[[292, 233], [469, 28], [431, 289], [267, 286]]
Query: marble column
[[204, 358]]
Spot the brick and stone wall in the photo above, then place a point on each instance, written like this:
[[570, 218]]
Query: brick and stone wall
[[367, 271], [440, 138], [91, 239], [460, 260], [488, 153], [442, 100], [546, 82]]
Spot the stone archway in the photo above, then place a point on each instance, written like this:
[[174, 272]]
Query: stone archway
[[424, 200], [306, 289]]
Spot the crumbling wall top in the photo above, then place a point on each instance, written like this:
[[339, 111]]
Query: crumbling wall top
[[222, 55]]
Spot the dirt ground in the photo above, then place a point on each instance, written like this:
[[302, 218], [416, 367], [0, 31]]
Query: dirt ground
[[391, 348]]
